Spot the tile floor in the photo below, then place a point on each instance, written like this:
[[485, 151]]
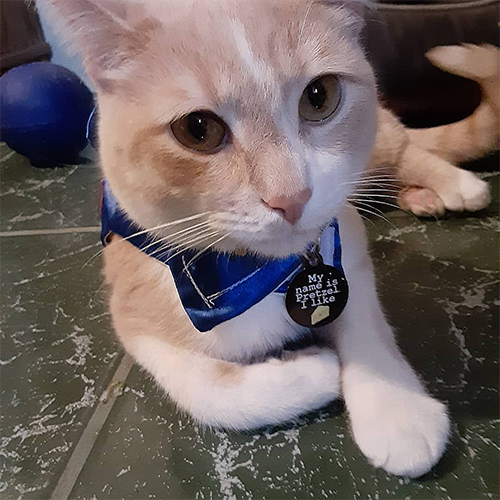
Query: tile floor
[[79, 421]]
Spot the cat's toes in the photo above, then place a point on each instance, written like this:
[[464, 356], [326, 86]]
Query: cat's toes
[[422, 202], [475, 192], [467, 192], [403, 433]]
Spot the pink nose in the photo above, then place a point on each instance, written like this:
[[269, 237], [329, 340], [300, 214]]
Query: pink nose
[[290, 207]]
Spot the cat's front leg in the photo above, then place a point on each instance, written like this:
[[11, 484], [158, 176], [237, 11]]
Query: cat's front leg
[[397, 425], [189, 366], [240, 396]]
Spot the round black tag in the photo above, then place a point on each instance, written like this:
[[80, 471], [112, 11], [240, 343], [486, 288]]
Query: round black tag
[[317, 295]]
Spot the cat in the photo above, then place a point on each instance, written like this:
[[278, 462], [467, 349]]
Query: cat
[[242, 128], [423, 161]]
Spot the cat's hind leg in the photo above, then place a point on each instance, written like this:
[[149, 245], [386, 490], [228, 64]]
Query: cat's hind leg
[[441, 185], [236, 396], [422, 202], [431, 183]]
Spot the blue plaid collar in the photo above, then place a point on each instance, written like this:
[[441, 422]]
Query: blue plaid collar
[[216, 287]]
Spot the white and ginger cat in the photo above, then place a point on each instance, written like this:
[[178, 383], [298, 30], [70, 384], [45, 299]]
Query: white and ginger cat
[[274, 109], [423, 160]]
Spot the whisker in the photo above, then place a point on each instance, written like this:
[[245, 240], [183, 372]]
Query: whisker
[[395, 206], [366, 180], [368, 189], [187, 242], [156, 228], [201, 252], [372, 173], [174, 236], [376, 215], [377, 187], [380, 214], [368, 219], [93, 257], [375, 178], [374, 170], [364, 217], [353, 200], [168, 224], [304, 22], [380, 183], [197, 232], [196, 240], [370, 195]]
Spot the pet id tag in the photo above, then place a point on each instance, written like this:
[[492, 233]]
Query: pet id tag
[[318, 294]]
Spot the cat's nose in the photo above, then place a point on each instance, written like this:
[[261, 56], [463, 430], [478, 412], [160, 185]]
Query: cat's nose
[[290, 207]]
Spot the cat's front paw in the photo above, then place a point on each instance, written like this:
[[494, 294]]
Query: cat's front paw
[[402, 432]]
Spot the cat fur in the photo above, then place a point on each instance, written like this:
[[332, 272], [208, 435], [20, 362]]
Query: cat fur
[[250, 62]]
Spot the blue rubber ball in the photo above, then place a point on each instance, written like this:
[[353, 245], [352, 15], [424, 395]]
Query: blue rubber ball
[[44, 109]]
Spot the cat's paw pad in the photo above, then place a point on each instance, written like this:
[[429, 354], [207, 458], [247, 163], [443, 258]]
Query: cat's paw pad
[[403, 433], [422, 202]]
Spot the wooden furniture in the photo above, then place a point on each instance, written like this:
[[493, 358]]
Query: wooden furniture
[[21, 35], [400, 32]]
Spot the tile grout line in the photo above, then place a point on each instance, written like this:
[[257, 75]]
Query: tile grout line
[[36, 232], [83, 448]]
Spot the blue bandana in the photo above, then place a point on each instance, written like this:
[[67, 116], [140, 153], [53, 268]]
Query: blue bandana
[[216, 287]]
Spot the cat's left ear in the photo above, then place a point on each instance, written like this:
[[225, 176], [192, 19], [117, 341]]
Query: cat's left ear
[[356, 10]]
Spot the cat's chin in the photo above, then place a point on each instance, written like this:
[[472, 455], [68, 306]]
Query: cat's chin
[[276, 247]]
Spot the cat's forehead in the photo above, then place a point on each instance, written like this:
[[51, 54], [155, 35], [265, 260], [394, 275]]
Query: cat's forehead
[[220, 49]]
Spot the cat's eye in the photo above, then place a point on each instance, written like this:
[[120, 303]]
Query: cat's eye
[[201, 131], [320, 99]]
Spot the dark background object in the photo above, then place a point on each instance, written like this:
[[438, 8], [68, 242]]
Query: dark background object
[[398, 35], [21, 35]]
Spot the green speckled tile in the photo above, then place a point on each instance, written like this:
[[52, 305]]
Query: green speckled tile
[[57, 355], [33, 198], [439, 284]]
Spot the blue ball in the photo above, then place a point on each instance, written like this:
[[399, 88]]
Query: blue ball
[[44, 109]]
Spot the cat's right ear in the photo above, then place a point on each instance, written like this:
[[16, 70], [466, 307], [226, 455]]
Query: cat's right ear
[[104, 31]]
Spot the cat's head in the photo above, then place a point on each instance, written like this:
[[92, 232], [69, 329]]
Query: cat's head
[[258, 114]]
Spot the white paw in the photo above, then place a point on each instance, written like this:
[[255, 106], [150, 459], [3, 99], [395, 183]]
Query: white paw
[[276, 391], [314, 370], [403, 432], [475, 192], [309, 378], [467, 192], [422, 202]]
